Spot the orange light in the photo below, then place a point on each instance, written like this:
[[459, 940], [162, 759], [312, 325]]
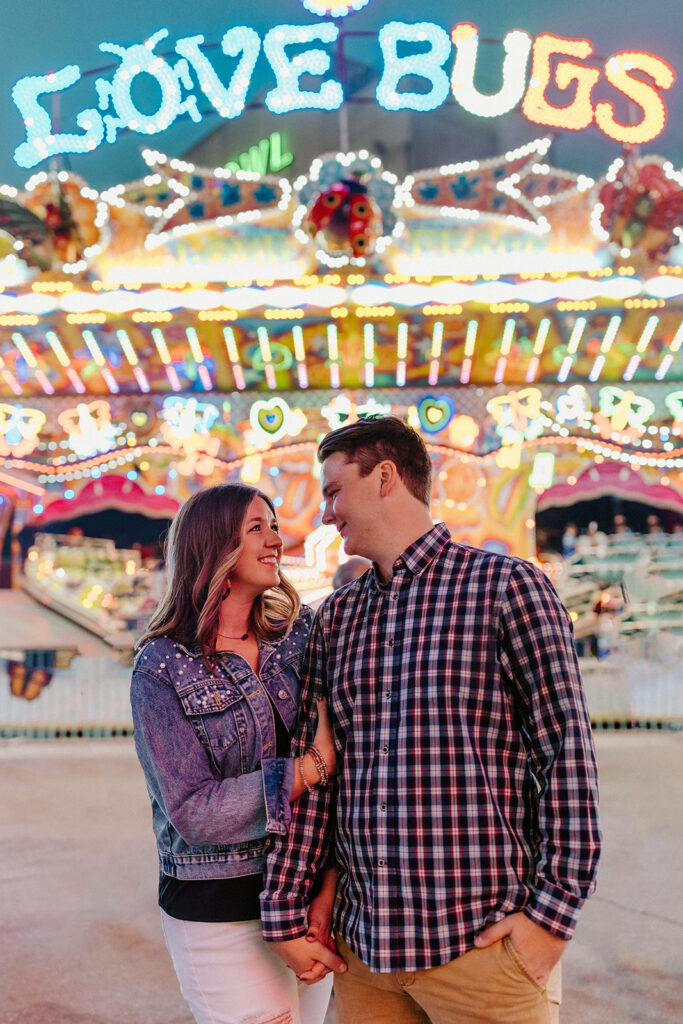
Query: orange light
[[618, 72], [579, 113]]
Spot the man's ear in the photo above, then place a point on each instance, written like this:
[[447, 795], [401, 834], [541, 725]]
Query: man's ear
[[388, 475]]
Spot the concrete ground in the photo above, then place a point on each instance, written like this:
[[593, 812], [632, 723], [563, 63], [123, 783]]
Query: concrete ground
[[80, 941]]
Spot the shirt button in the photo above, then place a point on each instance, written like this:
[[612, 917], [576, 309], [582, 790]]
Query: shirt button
[[385, 749], [387, 695], [282, 694], [380, 863], [390, 643], [382, 807]]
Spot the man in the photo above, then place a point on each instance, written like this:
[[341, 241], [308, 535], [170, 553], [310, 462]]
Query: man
[[465, 825], [349, 570]]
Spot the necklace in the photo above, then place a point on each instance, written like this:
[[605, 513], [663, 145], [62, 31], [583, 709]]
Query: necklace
[[226, 636]]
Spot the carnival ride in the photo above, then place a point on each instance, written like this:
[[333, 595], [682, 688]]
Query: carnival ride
[[203, 324]]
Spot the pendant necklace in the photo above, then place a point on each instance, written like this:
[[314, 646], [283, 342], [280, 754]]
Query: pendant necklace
[[225, 636]]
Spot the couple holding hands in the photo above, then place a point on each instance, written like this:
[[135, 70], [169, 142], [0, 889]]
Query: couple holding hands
[[399, 792]]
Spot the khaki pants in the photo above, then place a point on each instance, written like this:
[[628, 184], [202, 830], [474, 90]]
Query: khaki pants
[[485, 986]]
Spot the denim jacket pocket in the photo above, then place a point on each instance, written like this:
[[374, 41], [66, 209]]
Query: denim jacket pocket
[[218, 713]]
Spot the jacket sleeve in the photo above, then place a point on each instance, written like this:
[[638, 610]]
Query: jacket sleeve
[[539, 658], [295, 859], [204, 810]]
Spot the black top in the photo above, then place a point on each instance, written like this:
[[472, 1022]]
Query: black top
[[219, 899]]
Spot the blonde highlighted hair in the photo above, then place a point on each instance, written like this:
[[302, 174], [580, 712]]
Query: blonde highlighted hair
[[204, 543]]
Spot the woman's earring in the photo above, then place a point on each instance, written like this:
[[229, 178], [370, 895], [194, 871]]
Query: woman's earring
[[226, 593]]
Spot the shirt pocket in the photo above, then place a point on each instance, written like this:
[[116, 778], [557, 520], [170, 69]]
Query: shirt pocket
[[220, 717]]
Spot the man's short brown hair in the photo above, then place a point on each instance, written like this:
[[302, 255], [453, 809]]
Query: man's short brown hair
[[370, 440]]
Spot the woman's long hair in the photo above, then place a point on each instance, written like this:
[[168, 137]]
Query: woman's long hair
[[204, 543]]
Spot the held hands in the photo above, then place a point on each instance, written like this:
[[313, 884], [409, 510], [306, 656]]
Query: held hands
[[539, 949], [309, 959], [315, 955]]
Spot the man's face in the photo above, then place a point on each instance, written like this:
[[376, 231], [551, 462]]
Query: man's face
[[351, 503]]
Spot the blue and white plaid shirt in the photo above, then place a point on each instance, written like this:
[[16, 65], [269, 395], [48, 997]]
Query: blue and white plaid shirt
[[467, 787]]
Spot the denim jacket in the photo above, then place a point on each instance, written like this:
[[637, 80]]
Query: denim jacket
[[206, 744]]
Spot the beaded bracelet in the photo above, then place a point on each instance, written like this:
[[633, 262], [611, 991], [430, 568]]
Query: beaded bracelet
[[321, 766], [303, 776]]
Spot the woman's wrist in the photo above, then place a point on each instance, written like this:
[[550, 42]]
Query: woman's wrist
[[320, 764], [307, 772], [312, 768]]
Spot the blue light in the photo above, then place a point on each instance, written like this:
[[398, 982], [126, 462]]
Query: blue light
[[69, 494], [273, 471], [132, 474], [228, 102], [172, 474], [425, 64], [160, 489], [38, 509], [287, 95], [277, 501], [140, 60], [41, 142]]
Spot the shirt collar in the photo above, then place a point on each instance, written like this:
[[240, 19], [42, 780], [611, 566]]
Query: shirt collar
[[418, 555]]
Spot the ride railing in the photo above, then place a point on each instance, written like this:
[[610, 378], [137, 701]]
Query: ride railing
[[626, 600], [630, 655]]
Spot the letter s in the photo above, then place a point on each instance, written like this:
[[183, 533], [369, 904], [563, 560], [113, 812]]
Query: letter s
[[618, 72]]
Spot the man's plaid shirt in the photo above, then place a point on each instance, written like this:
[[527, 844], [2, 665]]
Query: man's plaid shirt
[[467, 785]]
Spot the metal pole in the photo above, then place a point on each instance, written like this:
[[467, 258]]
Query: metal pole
[[343, 110]]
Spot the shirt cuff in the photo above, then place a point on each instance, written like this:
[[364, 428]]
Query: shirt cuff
[[282, 919], [278, 778], [554, 909]]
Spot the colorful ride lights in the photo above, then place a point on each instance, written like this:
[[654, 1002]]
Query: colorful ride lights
[[530, 69]]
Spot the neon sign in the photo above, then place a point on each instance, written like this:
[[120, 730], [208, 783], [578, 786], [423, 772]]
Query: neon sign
[[419, 51], [268, 156], [19, 429], [89, 428]]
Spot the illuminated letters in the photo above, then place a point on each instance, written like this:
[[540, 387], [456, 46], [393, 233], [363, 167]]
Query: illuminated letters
[[579, 113], [40, 141], [139, 60], [287, 95], [228, 102], [431, 45], [617, 71], [517, 46], [426, 64], [268, 156]]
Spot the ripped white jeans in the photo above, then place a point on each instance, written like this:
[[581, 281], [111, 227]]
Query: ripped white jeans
[[229, 975]]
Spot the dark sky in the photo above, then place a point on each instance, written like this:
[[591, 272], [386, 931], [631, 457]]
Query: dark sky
[[46, 35]]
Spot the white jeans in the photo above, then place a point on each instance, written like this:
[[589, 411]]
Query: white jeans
[[229, 975]]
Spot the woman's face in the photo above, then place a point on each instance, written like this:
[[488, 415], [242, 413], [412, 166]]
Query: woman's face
[[258, 568]]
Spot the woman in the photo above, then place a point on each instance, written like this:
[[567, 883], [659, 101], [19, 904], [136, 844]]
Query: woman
[[214, 695]]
